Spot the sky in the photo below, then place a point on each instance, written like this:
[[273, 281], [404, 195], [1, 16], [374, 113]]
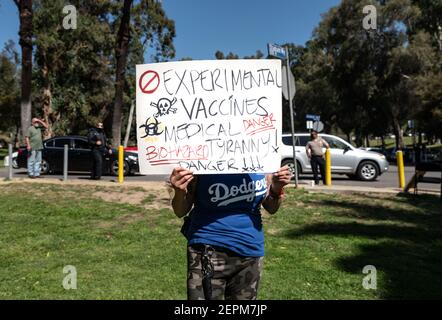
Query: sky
[[205, 26]]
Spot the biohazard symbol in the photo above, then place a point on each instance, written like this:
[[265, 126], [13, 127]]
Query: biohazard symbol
[[152, 127]]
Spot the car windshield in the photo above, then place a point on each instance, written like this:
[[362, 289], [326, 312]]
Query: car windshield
[[301, 141], [335, 143]]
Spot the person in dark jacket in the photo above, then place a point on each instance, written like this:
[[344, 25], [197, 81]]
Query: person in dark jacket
[[98, 142]]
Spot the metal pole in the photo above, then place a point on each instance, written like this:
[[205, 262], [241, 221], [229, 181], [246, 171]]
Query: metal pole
[[417, 156], [10, 161], [292, 121], [65, 162], [129, 124]]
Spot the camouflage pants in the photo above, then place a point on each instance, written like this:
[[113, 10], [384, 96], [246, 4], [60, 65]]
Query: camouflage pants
[[235, 277]]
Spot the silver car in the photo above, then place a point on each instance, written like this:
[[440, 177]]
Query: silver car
[[345, 159]]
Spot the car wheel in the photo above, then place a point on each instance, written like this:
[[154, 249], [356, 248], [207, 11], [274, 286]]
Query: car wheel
[[368, 171], [44, 167], [15, 163], [289, 163], [114, 168]]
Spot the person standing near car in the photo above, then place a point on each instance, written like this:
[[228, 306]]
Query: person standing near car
[[98, 142], [34, 145], [316, 156]]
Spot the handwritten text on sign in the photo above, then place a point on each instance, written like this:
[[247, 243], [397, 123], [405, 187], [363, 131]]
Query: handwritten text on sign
[[209, 116]]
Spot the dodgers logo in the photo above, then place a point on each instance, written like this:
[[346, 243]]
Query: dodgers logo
[[246, 191]]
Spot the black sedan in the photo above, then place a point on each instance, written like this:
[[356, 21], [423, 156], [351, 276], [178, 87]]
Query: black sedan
[[80, 158]]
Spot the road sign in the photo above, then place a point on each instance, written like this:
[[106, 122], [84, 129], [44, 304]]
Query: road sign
[[309, 125], [291, 83], [276, 51], [313, 117], [318, 126]]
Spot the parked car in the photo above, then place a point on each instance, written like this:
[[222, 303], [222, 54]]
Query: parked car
[[408, 155], [79, 157], [14, 160], [345, 159], [378, 150]]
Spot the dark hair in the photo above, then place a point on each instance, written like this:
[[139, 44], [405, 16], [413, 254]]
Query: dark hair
[[312, 133]]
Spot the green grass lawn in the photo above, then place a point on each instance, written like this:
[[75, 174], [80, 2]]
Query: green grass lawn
[[316, 245], [408, 141]]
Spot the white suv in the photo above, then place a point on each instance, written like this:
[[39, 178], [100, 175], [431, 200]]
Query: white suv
[[345, 159]]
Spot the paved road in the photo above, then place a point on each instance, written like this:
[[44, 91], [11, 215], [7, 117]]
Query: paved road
[[388, 179]]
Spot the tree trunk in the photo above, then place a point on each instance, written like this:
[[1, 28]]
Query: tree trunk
[[121, 52], [383, 141], [398, 132], [25, 10], [48, 114]]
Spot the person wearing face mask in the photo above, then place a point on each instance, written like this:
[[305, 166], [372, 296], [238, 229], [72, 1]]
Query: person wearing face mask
[[316, 155], [34, 144], [98, 142]]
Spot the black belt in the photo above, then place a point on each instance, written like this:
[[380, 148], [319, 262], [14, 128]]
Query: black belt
[[200, 247]]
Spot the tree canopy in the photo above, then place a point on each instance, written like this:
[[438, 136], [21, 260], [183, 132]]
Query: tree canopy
[[362, 82]]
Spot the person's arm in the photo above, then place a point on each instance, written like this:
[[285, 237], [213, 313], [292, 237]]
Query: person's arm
[[327, 146], [307, 150], [44, 124], [108, 144], [276, 183], [183, 199], [28, 143]]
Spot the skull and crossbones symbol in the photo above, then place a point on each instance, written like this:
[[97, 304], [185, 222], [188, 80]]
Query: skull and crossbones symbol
[[164, 107]]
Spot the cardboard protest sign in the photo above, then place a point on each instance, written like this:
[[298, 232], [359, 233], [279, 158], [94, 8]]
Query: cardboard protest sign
[[211, 117]]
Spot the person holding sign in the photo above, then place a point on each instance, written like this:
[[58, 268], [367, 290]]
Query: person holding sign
[[224, 230]]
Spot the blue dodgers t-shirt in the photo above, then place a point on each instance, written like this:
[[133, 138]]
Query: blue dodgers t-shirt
[[227, 213]]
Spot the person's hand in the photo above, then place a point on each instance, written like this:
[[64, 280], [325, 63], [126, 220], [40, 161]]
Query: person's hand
[[180, 178], [98, 143], [280, 179], [110, 151], [28, 148]]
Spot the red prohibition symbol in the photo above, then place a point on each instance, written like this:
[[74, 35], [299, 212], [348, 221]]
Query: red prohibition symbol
[[149, 82]]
